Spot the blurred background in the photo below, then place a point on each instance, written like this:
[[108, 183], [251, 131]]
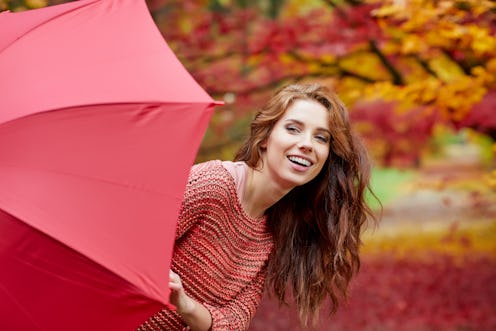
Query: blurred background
[[419, 79]]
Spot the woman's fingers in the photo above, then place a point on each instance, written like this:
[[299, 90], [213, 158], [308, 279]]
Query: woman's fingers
[[173, 276], [175, 281]]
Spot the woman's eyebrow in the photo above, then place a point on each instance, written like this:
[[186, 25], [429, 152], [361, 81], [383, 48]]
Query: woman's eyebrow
[[325, 130], [292, 120]]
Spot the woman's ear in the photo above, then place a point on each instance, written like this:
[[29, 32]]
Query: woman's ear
[[263, 144]]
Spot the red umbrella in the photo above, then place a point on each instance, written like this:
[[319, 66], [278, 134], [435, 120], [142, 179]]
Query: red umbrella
[[99, 125]]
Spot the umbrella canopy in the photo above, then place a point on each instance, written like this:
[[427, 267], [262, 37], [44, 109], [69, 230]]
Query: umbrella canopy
[[99, 125]]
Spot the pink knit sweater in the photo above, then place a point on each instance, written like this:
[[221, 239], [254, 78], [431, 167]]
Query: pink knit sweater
[[220, 252]]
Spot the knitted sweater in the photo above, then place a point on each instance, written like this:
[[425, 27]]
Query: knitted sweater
[[220, 252]]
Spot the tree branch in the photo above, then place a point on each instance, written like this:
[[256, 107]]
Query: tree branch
[[341, 71], [395, 74], [425, 65]]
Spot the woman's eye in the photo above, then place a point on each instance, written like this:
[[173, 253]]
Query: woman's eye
[[292, 129], [323, 139]]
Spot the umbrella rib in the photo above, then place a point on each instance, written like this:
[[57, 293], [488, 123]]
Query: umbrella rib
[[20, 306], [132, 286], [207, 103], [44, 22], [82, 284], [128, 186]]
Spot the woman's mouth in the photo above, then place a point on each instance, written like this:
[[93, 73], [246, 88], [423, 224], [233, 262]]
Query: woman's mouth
[[300, 161]]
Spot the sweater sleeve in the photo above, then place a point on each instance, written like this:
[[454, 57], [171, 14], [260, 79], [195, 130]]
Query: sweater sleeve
[[189, 212], [237, 314]]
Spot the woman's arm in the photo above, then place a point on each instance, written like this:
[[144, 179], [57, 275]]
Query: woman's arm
[[238, 313], [191, 311], [196, 188]]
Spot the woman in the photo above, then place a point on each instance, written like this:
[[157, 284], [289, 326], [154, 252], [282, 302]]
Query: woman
[[286, 214]]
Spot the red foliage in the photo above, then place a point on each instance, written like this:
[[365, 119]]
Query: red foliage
[[482, 118], [403, 133], [405, 295], [316, 33]]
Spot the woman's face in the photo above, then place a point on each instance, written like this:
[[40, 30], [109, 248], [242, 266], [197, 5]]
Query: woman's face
[[298, 145]]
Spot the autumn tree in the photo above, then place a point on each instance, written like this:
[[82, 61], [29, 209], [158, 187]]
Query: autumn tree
[[435, 59], [437, 56]]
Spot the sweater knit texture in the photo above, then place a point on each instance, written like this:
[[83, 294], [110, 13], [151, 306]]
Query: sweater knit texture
[[220, 252]]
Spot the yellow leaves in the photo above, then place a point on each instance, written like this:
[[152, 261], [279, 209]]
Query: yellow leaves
[[314, 67], [481, 40], [254, 60], [22, 5], [412, 44], [445, 68], [351, 90], [491, 178], [456, 99], [299, 7], [286, 59], [36, 3], [453, 99], [455, 238], [408, 96], [449, 30], [449, 35], [421, 18], [421, 92], [491, 66], [483, 76], [225, 3], [389, 10], [381, 90], [364, 64], [389, 47], [428, 93], [481, 6], [439, 23], [185, 25], [327, 58]]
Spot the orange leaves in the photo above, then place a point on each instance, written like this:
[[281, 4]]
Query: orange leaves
[[448, 38], [491, 178], [449, 238], [446, 24], [481, 40], [417, 53], [365, 64], [413, 44], [436, 55], [22, 5], [456, 100]]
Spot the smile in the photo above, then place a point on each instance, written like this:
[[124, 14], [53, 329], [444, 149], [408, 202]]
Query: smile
[[300, 161]]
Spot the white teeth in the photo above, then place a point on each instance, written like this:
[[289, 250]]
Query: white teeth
[[300, 161]]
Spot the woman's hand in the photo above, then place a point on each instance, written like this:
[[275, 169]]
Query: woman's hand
[[191, 311], [184, 304]]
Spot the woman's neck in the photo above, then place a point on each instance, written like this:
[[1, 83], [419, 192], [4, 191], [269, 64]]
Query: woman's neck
[[260, 193]]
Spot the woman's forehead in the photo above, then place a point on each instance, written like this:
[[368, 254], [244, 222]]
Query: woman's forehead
[[307, 111]]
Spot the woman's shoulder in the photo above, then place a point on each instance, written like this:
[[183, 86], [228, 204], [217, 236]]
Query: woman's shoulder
[[206, 165], [234, 168], [203, 168], [208, 171]]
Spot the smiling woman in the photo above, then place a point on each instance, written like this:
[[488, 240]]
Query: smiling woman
[[298, 146], [286, 214]]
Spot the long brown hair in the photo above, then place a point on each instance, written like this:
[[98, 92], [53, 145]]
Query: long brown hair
[[316, 226]]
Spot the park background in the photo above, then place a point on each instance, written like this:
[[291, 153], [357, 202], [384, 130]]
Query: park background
[[419, 79]]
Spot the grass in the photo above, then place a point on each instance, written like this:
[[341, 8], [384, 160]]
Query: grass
[[387, 184]]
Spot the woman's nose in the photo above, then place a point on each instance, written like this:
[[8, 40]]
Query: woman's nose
[[305, 143]]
